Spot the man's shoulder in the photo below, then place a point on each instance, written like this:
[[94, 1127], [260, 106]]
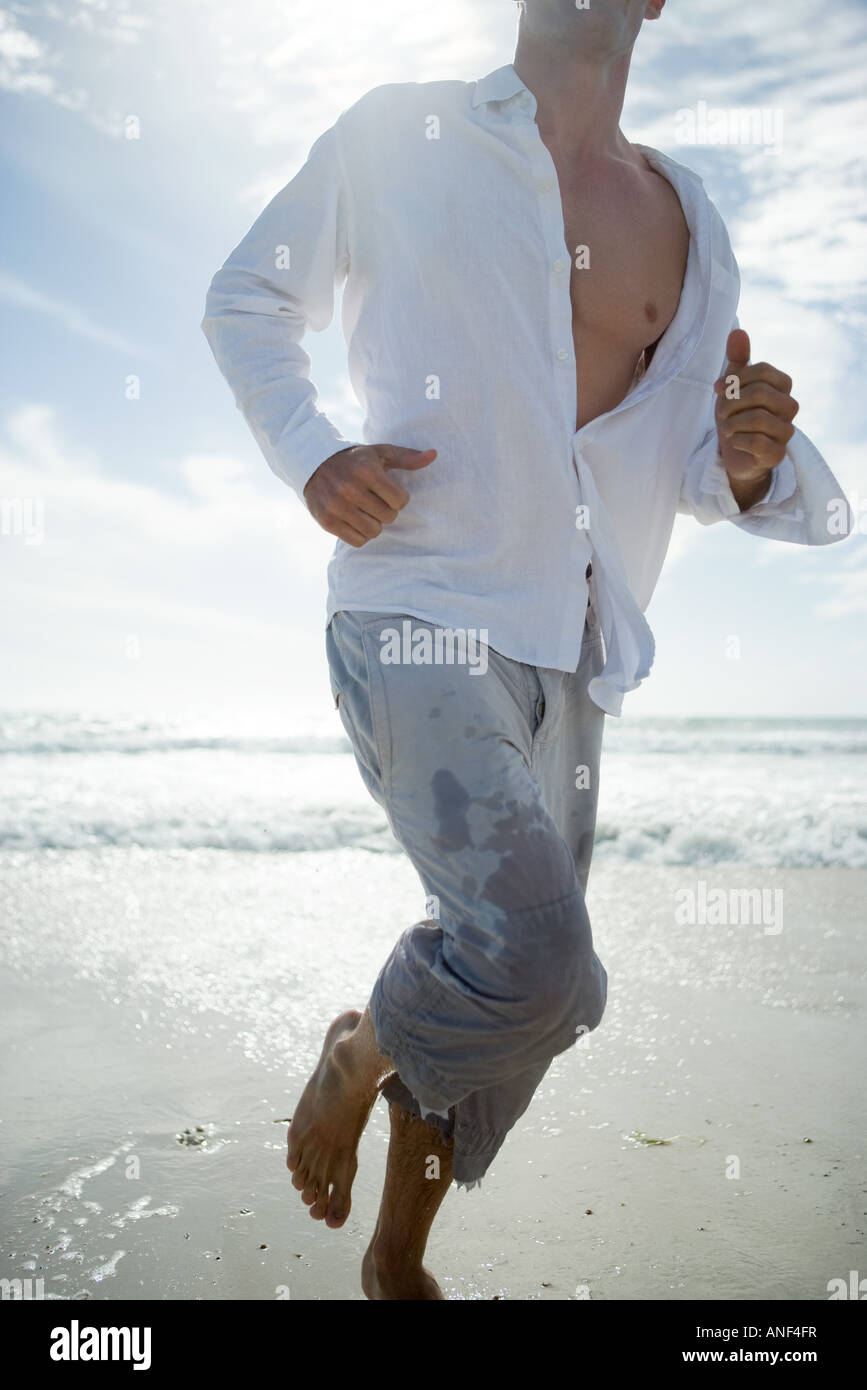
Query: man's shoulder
[[394, 100], [678, 173], [683, 174]]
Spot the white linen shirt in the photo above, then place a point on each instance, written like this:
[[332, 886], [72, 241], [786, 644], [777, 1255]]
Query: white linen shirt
[[438, 205]]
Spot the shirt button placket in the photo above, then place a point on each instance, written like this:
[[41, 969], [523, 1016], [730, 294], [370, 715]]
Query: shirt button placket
[[547, 189], [560, 302]]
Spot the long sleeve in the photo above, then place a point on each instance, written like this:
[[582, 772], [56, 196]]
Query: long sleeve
[[278, 283], [804, 504]]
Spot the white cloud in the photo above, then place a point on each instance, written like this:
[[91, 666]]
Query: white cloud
[[23, 296], [221, 581], [22, 59], [850, 592]]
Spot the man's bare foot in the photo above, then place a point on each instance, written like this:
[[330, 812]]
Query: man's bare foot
[[383, 1280], [330, 1116]]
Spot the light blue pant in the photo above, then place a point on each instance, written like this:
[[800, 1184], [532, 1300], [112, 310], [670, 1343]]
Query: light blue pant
[[489, 780]]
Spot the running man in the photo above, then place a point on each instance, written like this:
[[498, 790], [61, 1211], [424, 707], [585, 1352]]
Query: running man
[[541, 324]]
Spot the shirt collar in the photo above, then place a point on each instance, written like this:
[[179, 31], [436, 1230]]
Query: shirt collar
[[504, 83], [499, 85]]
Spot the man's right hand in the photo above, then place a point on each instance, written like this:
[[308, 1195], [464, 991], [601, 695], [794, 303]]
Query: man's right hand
[[351, 494]]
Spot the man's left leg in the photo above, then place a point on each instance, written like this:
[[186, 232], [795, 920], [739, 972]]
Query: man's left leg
[[418, 1176]]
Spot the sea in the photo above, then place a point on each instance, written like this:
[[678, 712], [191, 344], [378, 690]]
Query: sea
[[787, 793]]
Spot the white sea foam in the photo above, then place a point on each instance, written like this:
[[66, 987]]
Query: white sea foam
[[790, 793]]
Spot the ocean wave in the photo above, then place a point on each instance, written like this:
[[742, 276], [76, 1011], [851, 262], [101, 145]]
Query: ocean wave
[[836, 843], [308, 829], [39, 734], [721, 738], [166, 743]]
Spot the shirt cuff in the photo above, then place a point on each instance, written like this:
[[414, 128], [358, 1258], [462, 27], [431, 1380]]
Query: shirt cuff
[[715, 482], [783, 484], [311, 444]]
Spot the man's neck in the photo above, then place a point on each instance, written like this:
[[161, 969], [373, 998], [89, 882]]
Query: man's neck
[[578, 99]]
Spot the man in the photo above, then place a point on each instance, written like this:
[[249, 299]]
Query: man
[[540, 319]]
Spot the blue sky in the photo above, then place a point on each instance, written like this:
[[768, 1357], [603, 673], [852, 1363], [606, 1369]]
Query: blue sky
[[174, 573]]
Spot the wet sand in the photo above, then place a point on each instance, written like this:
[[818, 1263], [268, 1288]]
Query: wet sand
[[147, 993]]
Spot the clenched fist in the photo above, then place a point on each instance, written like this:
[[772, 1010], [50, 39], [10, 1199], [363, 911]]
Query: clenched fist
[[754, 413], [351, 494]]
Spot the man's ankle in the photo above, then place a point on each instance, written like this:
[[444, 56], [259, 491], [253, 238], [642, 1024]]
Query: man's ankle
[[392, 1251], [359, 1053]]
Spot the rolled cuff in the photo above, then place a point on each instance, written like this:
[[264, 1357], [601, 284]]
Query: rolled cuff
[[714, 485], [783, 484], [311, 444], [814, 511]]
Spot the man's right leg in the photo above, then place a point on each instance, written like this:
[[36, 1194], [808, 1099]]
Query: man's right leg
[[331, 1114]]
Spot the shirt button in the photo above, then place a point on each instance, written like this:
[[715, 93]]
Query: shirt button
[[544, 185], [559, 266], [562, 354]]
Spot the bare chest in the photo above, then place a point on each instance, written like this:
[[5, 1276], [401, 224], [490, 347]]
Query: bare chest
[[628, 242]]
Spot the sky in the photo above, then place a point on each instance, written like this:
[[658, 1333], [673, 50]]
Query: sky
[[150, 560]]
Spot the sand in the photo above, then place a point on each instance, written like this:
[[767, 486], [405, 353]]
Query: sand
[[148, 993]]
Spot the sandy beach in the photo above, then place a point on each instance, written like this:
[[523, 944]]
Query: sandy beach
[[706, 1142]]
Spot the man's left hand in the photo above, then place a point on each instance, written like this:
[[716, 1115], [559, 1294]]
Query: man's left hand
[[754, 413]]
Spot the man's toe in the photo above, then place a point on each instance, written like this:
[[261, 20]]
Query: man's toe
[[338, 1206], [320, 1207], [300, 1178]]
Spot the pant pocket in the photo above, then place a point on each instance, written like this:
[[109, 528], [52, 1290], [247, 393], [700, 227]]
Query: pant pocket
[[377, 696], [348, 665], [336, 669]]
